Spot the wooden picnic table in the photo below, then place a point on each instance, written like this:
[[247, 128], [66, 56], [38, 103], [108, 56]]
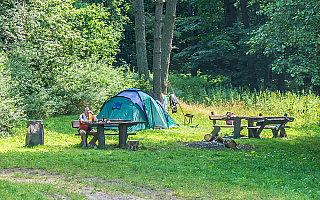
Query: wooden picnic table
[[262, 122], [254, 130], [122, 128]]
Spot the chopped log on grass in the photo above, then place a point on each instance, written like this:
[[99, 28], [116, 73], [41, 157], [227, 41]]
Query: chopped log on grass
[[219, 139], [208, 137], [226, 141], [133, 144], [229, 143]]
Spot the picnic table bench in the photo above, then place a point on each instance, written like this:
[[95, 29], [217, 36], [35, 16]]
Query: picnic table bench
[[76, 124], [254, 130], [277, 124], [122, 129]]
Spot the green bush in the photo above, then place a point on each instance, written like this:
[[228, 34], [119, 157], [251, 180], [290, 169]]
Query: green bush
[[61, 57], [10, 108], [90, 84], [81, 84]]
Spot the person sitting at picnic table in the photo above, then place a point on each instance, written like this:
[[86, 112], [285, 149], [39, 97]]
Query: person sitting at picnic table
[[87, 116]]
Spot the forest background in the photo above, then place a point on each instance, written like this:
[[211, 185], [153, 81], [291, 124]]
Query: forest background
[[58, 56]]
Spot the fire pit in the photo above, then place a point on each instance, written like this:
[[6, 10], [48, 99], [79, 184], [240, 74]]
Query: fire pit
[[213, 145]]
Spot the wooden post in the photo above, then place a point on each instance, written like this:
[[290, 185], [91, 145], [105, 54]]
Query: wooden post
[[260, 129], [215, 131], [100, 136], [214, 121], [250, 130], [283, 132], [122, 135], [237, 127], [275, 133]]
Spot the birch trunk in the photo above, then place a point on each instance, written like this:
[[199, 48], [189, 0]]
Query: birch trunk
[[142, 62], [166, 43], [157, 50]]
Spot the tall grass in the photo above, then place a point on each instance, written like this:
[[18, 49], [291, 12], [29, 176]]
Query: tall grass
[[303, 106]]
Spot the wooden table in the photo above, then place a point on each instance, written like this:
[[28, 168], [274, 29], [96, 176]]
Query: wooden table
[[253, 130], [122, 128], [262, 122], [237, 127]]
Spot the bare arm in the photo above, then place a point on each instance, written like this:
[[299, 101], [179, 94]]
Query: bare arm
[[93, 116]]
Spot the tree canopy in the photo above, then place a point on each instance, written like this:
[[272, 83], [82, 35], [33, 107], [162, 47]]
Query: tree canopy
[[292, 37], [60, 54]]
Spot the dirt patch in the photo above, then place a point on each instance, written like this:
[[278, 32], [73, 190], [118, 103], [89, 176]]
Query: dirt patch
[[213, 145], [82, 185]]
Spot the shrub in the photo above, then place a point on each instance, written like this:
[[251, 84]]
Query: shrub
[[62, 56], [10, 107], [90, 84]]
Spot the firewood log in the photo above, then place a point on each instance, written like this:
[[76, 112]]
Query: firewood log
[[230, 143], [219, 139], [208, 137]]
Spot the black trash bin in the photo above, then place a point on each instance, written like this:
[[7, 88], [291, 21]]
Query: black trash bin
[[35, 134]]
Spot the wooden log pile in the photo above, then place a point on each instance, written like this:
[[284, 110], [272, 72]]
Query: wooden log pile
[[229, 143]]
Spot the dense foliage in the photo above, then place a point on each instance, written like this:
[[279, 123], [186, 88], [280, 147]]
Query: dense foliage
[[250, 44], [292, 37], [10, 108], [60, 54]]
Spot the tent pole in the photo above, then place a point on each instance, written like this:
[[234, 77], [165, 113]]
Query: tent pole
[[178, 103]]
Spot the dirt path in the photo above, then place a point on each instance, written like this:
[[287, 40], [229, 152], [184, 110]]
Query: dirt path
[[76, 185]]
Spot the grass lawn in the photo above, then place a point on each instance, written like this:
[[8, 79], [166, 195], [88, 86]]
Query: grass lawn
[[276, 169]]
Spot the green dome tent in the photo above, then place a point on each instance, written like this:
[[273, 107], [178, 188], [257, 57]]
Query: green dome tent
[[137, 105]]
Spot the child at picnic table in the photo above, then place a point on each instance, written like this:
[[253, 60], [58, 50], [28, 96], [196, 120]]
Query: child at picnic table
[[87, 116]]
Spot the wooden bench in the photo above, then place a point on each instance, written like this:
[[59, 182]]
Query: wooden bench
[[229, 126], [76, 123], [217, 128], [94, 132], [274, 130], [276, 124]]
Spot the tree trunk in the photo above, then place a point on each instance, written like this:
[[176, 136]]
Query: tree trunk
[[230, 12], [166, 42], [253, 75], [281, 83], [157, 50], [244, 12], [142, 62], [191, 13]]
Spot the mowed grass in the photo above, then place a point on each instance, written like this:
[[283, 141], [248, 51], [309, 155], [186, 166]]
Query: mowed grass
[[278, 168]]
